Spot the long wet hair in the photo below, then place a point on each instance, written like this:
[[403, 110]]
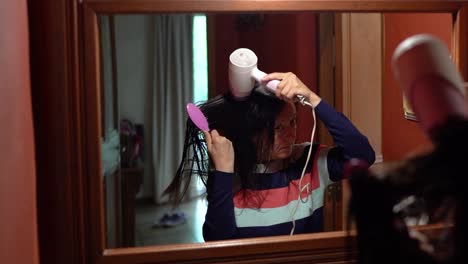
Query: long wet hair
[[248, 124]]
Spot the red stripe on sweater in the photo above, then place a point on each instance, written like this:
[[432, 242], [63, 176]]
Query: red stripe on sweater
[[278, 197]]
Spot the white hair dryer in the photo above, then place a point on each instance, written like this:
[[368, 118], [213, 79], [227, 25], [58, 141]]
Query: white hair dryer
[[243, 73]]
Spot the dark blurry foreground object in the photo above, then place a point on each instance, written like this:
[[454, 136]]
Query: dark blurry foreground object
[[430, 81], [430, 188]]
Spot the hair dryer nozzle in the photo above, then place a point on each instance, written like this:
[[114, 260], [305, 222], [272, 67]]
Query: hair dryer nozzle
[[241, 63], [243, 73]]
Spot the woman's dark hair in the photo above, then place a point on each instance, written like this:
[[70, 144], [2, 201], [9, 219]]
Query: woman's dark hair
[[248, 124], [438, 179]]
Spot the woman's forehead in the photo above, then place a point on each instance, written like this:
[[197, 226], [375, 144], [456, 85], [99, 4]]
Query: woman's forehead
[[288, 111]]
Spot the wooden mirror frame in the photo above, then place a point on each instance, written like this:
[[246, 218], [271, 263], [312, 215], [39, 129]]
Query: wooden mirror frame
[[64, 37]]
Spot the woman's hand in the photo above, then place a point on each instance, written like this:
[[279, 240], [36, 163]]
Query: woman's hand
[[221, 151], [290, 86]]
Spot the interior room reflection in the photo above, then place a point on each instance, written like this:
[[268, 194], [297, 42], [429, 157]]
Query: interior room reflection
[[153, 65]]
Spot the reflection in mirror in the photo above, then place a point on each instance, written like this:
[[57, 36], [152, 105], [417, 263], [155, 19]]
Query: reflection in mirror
[[133, 49], [153, 65], [144, 123]]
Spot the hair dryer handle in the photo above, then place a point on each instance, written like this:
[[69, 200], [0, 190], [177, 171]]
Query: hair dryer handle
[[258, 76], [272, 85]]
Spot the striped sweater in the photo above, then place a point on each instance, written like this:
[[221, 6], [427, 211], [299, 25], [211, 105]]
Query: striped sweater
[[274, 202]]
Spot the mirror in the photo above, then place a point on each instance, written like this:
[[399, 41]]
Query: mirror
[[143, 123], [134, 105]]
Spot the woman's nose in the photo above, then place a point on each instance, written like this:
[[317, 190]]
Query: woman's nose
[[288, 132]]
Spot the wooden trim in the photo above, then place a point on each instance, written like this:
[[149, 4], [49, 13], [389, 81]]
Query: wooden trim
[[91, 105], [56, 81], [345, 66], [316, 248], [65, 85], [332, 208], [361, 85], [362, 73], [326, 60], [338, 63], [331, 247], [460, 41], [142, 6]]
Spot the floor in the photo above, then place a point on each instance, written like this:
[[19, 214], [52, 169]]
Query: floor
[[191, 232]]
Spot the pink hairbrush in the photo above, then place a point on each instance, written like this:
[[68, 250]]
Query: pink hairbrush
[[197, 117]]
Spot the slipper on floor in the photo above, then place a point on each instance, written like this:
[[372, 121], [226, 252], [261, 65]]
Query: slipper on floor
[[170, 220]]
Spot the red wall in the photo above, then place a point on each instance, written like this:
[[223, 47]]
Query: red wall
[[18, 230], [400, 136], [282, 43]]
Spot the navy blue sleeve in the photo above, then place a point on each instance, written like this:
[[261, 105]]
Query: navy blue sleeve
[[349, 142], [220, 222]]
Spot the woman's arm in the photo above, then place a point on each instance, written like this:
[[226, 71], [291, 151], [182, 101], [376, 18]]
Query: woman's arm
[[350, 143], [220, 221], [345, 134]]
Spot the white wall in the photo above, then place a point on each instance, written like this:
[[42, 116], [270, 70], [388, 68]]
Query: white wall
[[133, 37], [134, 52]]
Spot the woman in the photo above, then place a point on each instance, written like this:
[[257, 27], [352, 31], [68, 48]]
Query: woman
[[255, 181]]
